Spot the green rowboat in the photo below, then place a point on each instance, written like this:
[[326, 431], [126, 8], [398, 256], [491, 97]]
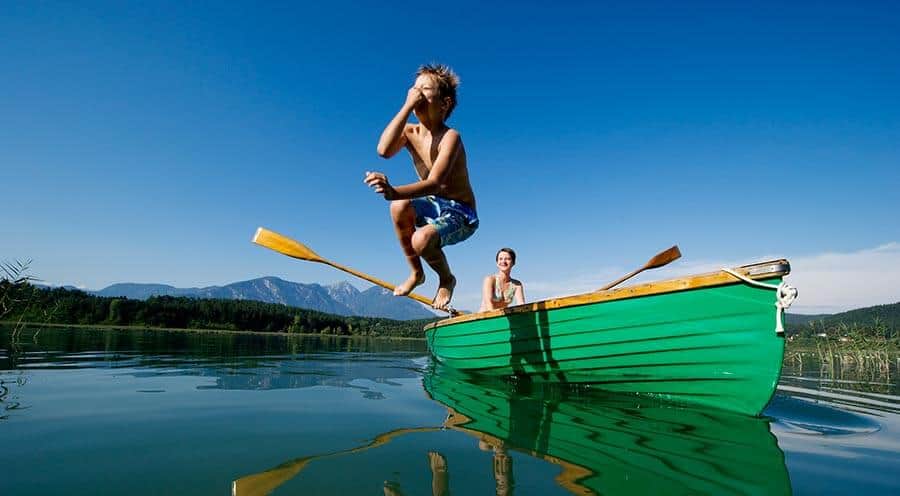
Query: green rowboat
[[712, 339], [707, 339]]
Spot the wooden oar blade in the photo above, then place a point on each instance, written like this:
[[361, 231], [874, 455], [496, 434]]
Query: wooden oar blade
[[285, 245], [664, 258]]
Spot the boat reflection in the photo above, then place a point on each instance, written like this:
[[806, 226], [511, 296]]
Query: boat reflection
[[602, 444], [613, 444]]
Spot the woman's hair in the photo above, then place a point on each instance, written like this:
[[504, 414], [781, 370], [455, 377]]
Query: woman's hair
[[512, 254]]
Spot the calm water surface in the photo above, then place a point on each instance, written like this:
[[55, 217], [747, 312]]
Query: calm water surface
[[149, 412]]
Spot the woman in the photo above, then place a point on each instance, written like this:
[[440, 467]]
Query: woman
[[500, 290]]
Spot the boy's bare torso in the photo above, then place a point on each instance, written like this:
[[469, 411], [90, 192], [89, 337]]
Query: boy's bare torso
[[423, 147]]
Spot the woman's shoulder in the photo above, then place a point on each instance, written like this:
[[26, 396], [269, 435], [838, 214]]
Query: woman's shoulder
[[515, 281]]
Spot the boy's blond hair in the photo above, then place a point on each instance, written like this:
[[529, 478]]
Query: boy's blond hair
[[447, 81]]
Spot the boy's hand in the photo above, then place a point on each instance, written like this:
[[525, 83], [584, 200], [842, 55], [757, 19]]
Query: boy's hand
[[413, 97], [379, 182]]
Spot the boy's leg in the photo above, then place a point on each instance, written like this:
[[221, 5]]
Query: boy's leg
[[404, 217], [427, 243]]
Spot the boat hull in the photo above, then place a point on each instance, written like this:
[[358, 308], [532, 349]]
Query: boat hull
[[714, 345]]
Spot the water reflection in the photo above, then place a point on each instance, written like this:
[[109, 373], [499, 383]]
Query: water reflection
[[73, 348], [600, 444], [617, 444], [871, 374], [141, 412], [10, 389], [236, 361]]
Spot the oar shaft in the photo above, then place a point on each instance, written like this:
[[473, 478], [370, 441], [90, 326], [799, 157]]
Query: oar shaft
[[376, 281], [622, 279], [662, 258]]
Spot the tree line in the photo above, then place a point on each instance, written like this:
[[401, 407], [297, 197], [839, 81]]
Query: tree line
[[882, 321], [73, 307]]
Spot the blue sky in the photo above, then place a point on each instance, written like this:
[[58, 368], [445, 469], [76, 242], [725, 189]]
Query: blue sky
[[145, 143]]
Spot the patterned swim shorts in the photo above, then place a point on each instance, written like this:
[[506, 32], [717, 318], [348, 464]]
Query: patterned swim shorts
[[454, 221]]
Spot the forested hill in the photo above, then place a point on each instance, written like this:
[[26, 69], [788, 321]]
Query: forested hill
[[341, 299], [65, 306], [887, 317]]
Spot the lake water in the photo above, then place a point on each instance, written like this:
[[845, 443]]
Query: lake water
[[148, 412]]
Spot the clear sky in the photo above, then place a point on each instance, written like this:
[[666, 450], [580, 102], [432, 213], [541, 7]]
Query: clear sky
[[146, 141]]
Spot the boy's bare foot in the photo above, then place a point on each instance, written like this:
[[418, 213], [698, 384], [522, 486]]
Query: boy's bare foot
[[414, 279], [444, 293]]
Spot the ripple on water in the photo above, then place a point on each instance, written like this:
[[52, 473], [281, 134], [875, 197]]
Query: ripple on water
[[794, 415]]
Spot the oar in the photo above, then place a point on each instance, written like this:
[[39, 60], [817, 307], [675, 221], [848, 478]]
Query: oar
[[292, 248], [661, 258]]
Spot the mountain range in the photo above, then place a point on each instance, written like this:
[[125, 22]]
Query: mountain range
[[341, 298]]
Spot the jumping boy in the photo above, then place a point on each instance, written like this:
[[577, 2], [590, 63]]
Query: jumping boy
[[441, 203]]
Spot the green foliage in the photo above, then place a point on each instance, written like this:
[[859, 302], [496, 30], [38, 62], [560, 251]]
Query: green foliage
[[77, 307], [17, 294], [872, 322], [13, 282]]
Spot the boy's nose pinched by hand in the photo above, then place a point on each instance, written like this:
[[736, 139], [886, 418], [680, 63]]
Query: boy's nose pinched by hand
[[414, 95]]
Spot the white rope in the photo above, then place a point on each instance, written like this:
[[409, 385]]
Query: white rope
[[785, 295]]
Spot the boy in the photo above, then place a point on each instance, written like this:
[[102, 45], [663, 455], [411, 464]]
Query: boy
[[441, 203]]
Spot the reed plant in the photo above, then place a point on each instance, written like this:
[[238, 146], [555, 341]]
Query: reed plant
[[854, 356], [15, 289], [861, 354], [18, 296]]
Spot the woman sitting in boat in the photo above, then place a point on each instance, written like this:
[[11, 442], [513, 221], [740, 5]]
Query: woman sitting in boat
[[500, 290]]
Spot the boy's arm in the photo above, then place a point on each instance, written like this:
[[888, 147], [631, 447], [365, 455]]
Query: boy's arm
[[393, 138]]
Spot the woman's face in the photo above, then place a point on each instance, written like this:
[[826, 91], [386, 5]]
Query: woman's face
[[504, 261]]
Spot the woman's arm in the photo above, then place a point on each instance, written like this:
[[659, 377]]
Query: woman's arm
[[487, 291], [519, 297]]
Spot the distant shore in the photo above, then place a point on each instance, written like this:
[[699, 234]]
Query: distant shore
[[216, 331]]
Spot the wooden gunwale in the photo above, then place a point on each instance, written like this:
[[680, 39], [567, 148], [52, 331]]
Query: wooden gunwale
[[778, 267]]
